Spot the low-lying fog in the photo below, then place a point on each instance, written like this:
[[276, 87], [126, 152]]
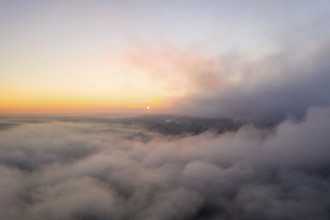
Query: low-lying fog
[[164, 167]]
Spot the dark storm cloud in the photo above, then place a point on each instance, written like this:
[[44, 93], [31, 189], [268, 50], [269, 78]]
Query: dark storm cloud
[[57, 170], [269, 89]]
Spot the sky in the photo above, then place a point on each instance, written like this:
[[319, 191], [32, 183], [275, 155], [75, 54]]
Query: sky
[[101, 56]]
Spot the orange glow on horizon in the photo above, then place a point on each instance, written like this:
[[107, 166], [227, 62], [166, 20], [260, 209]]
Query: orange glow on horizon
[[28, 104], [129, 79]]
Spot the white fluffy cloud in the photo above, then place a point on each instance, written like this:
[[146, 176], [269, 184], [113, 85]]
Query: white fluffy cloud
[[57, 170]]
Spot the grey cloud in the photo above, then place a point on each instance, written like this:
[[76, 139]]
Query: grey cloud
[[270, 88], [32, 145], [252, 173]]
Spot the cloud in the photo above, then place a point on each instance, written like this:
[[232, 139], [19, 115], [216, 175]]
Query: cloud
[[57, 170], [268, 88], [174, 70]]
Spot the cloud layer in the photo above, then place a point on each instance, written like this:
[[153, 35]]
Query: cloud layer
[[266, 89], [86, 170]]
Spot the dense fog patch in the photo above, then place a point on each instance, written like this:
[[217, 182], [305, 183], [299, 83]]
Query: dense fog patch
[[268, 89], [57, 170]]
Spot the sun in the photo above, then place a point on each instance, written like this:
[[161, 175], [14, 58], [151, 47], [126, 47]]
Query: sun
[[148, 107]]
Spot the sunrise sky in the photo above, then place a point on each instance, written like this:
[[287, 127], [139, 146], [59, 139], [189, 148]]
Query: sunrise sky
[[99, 56]]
